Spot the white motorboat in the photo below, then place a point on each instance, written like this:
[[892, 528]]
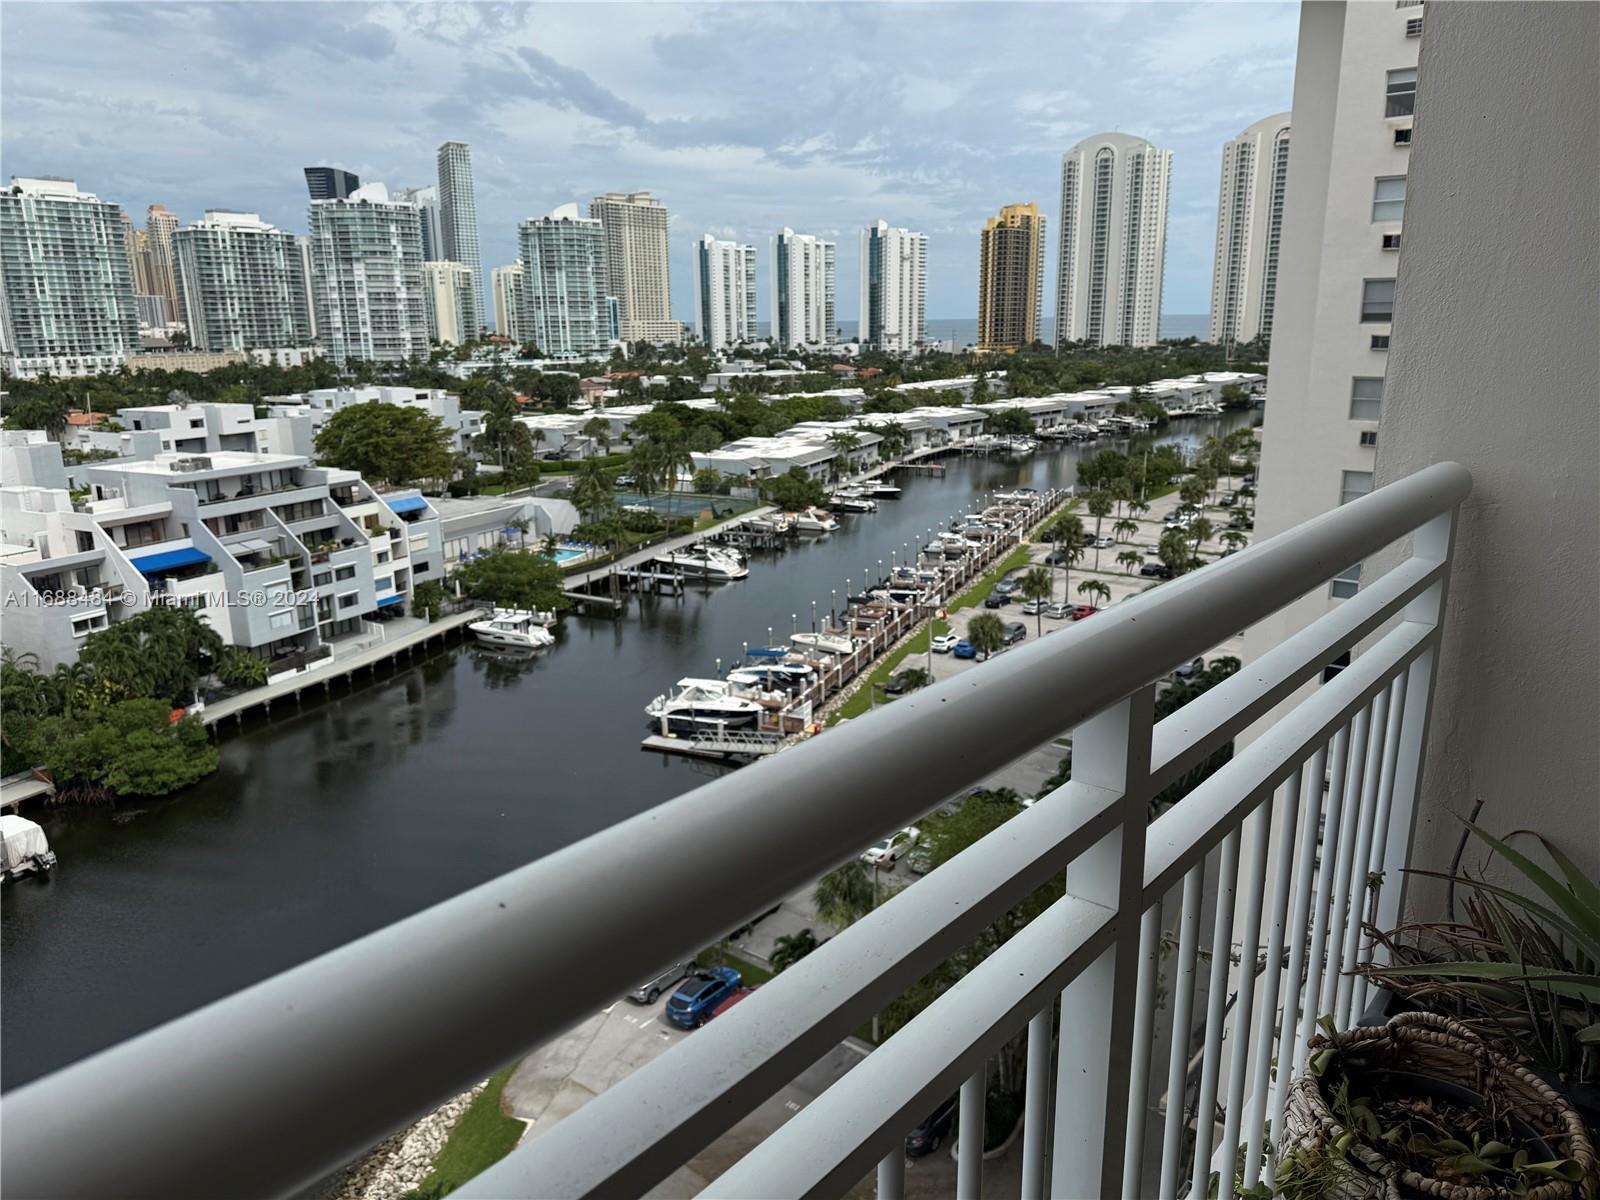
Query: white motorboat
[[828, 643], [23, 848], [954, 543], [706, 563], [853, 501], [880, 489], [815, 520], [704, 706], [788, 675], [1023, 495], [515, 627]]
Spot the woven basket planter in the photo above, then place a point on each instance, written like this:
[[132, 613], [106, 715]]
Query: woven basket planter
[[1426, 1044]]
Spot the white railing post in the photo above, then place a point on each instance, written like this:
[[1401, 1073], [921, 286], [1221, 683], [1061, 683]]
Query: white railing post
[[1036, 1113], [892, 1175], [1112, 751], [1143, 1035], [1182, 1015], [969, 1137]]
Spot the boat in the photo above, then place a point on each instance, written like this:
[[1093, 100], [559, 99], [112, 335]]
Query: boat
[[789, 675], [934, 548], [828, 643], [853, 502], [1022, 495], [883, 491], [814, 520], [515, 627], [706, 563], [954, 544], [24, 850], [704, 706]]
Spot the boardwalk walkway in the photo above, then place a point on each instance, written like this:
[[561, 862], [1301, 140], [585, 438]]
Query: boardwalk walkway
[[579, 580]]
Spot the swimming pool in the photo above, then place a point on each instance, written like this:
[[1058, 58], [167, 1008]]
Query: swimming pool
[[564, 555]]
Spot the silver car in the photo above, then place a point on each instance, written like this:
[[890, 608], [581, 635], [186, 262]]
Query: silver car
[[650, 990]]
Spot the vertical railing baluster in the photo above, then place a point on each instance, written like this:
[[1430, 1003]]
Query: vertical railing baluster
[[1380, 831], [1259, 825], [1361, 860], [1036, 1114], [1316, 955], [892, 1175], [969, 1140], [1205, 1109], [1182, 1014], [1355, 785], [1272, 979], [1112, 751], [1139, 1065]]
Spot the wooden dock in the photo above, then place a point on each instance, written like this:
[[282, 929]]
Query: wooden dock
[[727, 744]]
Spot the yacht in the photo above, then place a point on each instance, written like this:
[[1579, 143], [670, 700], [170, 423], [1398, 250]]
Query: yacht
[[853, 501], [1021, 495], [791, 676], [880, 489], [828, 643], [24, 849], [815, 520], [953, 544], [704, 706], [515, 627], [706, 563]]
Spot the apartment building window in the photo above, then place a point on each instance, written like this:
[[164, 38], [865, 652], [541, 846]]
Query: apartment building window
[[1345, 584], [1366, 398], [322, 577], [1380, 341], [349, 599], [1391, 241], [1413, 27], [344, 573], [85, 541], [1400, 95], [1402, 137], [1388, 197], [1377, 300], [1353, 485], [1369, 438]]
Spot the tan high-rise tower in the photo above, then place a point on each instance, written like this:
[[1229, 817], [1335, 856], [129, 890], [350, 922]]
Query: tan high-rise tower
[[635, 225], [160, 225], [1010, 278]]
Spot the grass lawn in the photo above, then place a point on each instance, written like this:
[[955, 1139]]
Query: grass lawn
[[861, 701], [974, 595], [482, 1137], [720, 956]]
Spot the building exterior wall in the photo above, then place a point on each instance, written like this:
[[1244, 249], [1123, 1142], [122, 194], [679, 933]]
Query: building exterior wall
[[1250, 198], [367, 256], [450, 298], [724, 292], [1113, 241], [66, 287], [1010, 278], [563, 279], [506, 284], [160, 224], [241, 285], [458, 222], [1494, 366], [803, 290], [426, 201], [330, 183], [894, 288], [635, 225]]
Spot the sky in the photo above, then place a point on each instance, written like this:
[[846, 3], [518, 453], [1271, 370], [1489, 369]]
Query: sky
[[742, 117]]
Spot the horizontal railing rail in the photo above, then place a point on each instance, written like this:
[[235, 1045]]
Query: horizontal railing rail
[[271, 1088]]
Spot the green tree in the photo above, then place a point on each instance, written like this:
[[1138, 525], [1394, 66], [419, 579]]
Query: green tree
[[844, 444], [987, 633], [237, 667], [790, 949], [599, 429], [706, 480], [1234, 539], [895, 439], [386, 442], [157, 654], [845, 894], [1011, 422], [1068, 532], [1125, 529], [1037, 585], [1099, 503], [130, 748], [1097, 589], [508, 579], [1130, 560], [1200, 530], [793, 490], [39, 410], [1173, 550], [427, 599], [647, 464], [591, 490]]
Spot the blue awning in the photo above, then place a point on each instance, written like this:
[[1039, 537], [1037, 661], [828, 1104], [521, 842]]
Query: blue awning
[[407, 504], [388, 600], [171, 560]]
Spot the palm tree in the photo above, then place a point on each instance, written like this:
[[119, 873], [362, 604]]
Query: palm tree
[[646, 464], [987, 633], [591, 489], [1097, 589], [675, 458], [1037, 585], [1234, 539], [894, 439], [598, 429], [1124, 529], [1137, 508], [844, 895], [1201, 529], [1132, 560], [844, 442], [1099, 505], [1173, 550]]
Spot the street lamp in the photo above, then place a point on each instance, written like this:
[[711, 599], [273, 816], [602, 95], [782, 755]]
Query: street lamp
[[813, 616], [833, 606]]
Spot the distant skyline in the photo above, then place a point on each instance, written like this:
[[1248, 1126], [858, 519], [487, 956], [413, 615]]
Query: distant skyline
[[901, 115]]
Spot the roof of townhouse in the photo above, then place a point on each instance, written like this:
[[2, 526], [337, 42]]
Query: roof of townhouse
[[221, 462], [76, 416]]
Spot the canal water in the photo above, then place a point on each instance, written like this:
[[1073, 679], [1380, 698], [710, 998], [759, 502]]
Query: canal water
[[329, 822]]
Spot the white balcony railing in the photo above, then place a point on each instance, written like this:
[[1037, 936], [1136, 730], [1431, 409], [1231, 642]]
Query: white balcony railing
[[262, 1092]]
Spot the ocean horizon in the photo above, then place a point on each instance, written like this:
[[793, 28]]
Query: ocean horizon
[[964, 330]]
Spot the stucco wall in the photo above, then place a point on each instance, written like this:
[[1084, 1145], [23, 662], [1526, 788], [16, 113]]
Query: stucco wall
[[1496, 344]]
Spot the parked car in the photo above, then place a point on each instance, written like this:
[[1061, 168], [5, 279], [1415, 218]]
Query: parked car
[[891, 849], [1033, 608], [1057, 558], [928, 1136], [1007, 586], [1015, 632], [965, 649], [1103, 542], [650, 990], [1156, 570], [1228, 501], [996, 599], [1060, 610], [625, 481], [1190, 670], [1080, 611], [692, 1004], [905, 681], [943, 643], [730, 1001]]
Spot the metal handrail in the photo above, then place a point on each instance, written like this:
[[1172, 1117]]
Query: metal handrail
[[266, 1090]]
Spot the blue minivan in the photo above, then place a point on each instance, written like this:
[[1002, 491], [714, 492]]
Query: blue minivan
[[691, 1005]]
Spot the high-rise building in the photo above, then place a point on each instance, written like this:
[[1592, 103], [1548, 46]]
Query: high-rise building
[[564, 299], [302, 246], [66, 289], [137, 243], [367, 278], [894, 288], [458, 220], [1113, 241], [426, 200], [1244, 277], [724, 292], [160, 225], [1010, 278], [1355, 84], [506, 285], [449, 288], [803, 290], [635, 225], [241, 285], [330, 183]]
